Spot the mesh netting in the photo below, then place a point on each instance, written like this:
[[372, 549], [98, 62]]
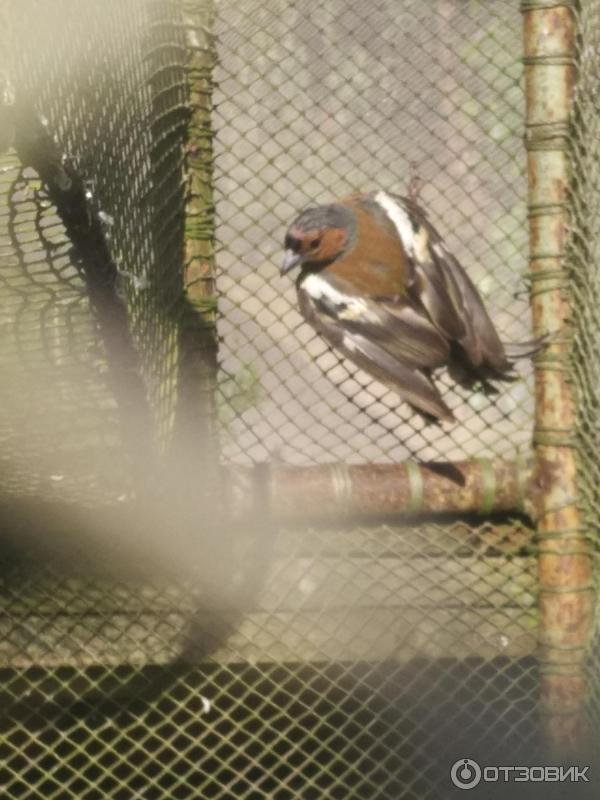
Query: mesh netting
[[365, 658], [105, 101], [581, 262], [313, 104], [354, 676], [583, 256]]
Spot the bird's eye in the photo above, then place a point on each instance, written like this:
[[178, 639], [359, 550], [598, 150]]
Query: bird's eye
[[315, 244]]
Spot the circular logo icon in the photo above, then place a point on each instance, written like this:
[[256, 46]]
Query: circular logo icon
[[465, 773]]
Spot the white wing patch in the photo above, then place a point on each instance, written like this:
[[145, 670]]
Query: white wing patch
[[421, 245], [355, 310], [318, 288], [400, 218]]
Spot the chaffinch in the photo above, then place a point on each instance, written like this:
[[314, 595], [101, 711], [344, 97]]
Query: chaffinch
[[378, 283]]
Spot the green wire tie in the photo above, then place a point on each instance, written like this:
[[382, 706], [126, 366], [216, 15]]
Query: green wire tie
[[588, 587], [415, 485], [488, 485], [540, 5]]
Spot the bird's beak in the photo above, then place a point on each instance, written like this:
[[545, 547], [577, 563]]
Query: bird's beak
[[290, 260]]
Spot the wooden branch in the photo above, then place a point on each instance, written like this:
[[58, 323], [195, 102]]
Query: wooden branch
[[338, 491], [196, 428], [565, 565]]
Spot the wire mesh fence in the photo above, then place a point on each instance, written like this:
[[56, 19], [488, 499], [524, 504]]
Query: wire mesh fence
[[582, 258], [313, 104], [360, 659]]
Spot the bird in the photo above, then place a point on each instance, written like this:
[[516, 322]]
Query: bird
[[378, 283]]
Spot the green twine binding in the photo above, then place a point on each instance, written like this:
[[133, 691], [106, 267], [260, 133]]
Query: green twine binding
[[588, 587], [548, 289], [545, 209], [567, 533], [415, 484], [535, 275], [523, 473], [558, 60], [562, 648], [540, 5], [488, 485], [552, 365], [547, 135], [554, 437], [342, 486], [574, 535]]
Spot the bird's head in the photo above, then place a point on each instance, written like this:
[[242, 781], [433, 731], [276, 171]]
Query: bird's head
[[318, 237]]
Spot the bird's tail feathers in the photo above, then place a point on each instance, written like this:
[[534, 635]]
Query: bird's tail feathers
[[412, 384]]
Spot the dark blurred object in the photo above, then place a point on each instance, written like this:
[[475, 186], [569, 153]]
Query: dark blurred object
[[86, 226]]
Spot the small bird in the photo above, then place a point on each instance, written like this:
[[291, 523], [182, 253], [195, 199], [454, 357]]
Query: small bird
[[378, 283]]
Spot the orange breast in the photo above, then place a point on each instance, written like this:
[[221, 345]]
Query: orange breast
[[376, 265]]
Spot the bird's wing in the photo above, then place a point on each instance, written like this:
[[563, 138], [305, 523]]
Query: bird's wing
[[388, 338], [449, 296]]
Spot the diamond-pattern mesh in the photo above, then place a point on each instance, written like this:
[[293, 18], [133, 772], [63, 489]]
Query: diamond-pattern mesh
[[358, 660], [316, 694], [584, 286], [314, 103]]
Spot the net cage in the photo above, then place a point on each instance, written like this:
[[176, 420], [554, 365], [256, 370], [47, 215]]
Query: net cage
[[225, 570]]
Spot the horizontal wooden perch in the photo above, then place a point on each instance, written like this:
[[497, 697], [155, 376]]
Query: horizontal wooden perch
[[334, 491], [321, 603]]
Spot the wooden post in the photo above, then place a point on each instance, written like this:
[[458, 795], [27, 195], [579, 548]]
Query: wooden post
[[196, 418], [182, 57], [565, 564]]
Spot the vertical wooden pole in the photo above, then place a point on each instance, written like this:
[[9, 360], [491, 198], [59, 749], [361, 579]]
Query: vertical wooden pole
[[565, 564], [196, 421]]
